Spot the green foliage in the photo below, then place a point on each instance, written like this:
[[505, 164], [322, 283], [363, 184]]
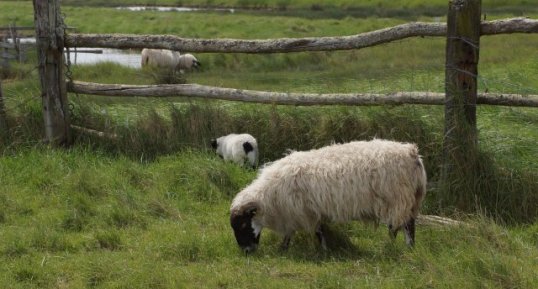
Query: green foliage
[[161, 76], [187, 240], [325, 7], [147, 129], [277, 128], [78, 215], [149, 208], [109, 240], [507, 194]]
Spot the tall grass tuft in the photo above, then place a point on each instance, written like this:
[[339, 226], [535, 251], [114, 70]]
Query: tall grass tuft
[[495, 187], [24, 129], [507, 194], [277, 128], [164, 76]]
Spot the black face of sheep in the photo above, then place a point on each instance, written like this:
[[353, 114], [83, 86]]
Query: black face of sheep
[[215, 145], [196, 64], [247, 234]]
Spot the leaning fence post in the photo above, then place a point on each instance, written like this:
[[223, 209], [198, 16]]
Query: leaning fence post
[[3, 118], [460, 135], [50, 44]]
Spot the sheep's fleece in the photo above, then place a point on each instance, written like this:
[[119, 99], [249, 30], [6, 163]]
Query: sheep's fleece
[[378, 180], [239, 148], [168, 59]]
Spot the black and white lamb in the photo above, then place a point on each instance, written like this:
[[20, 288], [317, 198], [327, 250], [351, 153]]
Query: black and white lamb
[[239, 148]]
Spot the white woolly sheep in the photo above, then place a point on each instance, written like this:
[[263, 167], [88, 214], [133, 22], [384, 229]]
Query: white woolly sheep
[[378, 180], [168, 59], [187, 62], [239, 148]]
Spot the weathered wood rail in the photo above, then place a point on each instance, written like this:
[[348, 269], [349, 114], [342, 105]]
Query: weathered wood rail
[[53, 40], [290, 98], [283, 45], [20, 31]]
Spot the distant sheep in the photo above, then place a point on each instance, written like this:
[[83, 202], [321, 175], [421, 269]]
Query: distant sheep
[[239, 148], [168, 59], [378, 180], [187, 62]]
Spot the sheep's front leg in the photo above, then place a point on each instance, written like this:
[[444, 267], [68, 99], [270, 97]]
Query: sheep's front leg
[[393, 232], [409, 230], [286, 242], [321, 237]]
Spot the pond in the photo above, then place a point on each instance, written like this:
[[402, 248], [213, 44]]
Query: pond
[[86, 55], [173, 9], [126, 57]]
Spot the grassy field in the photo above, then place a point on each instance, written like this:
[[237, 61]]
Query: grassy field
[[80, 219], [150, 209], [324, 8]]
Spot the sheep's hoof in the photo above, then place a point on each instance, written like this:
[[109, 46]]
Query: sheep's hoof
[[321, 238], [409, 231], [285, 243], [392, 232]]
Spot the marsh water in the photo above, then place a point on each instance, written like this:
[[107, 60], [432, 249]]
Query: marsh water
[[126, 57]]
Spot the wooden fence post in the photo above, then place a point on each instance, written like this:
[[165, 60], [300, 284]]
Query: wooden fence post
[[16, 41], [462, 50], [50, 45], [3, 121]]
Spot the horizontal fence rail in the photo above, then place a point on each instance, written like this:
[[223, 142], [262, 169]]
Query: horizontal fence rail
[[367, 39], [10, 28], [289, 98]]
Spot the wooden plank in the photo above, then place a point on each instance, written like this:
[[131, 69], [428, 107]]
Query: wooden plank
[[7, 45], [288, 98], [253, 46], [432, 220], [6, 55], [282, 45], [86, 51], [4, 133], [26, 28], [93, 132], [509, 26], [8, 28]]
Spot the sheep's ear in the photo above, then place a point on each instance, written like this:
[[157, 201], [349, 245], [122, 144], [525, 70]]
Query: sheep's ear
[[251, 211]]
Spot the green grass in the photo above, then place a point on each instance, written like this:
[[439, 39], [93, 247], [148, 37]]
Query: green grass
[[79, 218], [315, 9], [325, 8], [152, 127], [150, 209]]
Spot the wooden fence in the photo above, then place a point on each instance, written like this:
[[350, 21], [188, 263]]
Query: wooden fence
[[287, 45], [11, 47], [287, 98], [462, 31]]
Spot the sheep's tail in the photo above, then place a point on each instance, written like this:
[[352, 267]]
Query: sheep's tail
[[422, 181], [250, 152]]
